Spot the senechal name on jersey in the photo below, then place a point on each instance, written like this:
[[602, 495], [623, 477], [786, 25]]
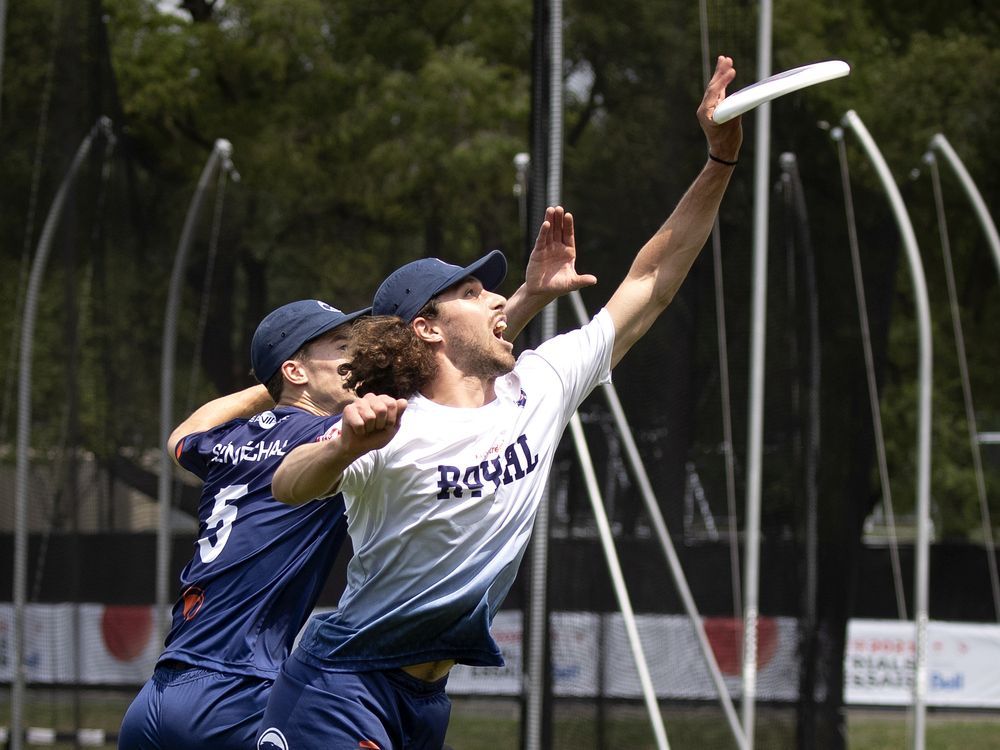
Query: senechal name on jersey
[[228, 453]]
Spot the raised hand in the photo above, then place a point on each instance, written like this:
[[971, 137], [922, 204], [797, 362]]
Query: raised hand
[[723, 140], [552, 264]]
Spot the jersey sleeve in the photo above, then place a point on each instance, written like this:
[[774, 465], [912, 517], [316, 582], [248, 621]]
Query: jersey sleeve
[[355, 476], [581, 358], [194, 452]]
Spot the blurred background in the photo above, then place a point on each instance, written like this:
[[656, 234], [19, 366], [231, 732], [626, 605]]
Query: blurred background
[[367, 134]]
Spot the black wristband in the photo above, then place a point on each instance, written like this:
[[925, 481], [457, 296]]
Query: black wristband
[[713, 157]]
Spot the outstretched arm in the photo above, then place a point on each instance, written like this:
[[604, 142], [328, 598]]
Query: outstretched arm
[[243, 403], [551, 271], [315, 469], [665, 259]]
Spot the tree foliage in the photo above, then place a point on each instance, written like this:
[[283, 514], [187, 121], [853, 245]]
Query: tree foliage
[[368, 134]]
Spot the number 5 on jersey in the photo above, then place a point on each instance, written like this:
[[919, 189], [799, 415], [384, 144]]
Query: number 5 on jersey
[[220, 523]]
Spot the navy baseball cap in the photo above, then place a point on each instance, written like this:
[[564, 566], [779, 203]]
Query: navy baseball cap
[[405, 292], [287, 329]]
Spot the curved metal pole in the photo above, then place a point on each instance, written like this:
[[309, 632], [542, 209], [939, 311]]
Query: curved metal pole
[[101, 127], [837, 134], [666, 544], [851, 120], [618, 583], [941, 144], [221, 152], [755, 420], [963, 368]]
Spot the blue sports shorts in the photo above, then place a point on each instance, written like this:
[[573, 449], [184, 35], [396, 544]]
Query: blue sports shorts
[[193, 709], [383, 710]]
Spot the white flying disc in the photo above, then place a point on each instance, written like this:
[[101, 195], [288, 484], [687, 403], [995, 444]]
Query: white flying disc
[[778, 85]]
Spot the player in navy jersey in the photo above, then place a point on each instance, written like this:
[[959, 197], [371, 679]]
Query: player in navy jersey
[[259, 565], [442, 505]]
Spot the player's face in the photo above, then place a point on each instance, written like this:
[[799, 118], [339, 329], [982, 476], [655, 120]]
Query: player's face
[[325, 357], [472, 321]]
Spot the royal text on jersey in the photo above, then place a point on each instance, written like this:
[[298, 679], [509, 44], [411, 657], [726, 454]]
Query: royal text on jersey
[[515, 462], [231, 453]]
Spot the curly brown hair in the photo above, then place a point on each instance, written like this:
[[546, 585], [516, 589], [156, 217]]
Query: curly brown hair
[[388, 358]]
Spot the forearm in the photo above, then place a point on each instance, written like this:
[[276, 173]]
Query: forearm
[[669, 254], [243, 403], [662, 264], [310, 471]]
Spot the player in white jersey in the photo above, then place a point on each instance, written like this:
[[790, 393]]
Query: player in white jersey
[[441, 501]]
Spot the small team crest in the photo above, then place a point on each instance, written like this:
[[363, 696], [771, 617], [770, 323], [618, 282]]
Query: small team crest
[[193, 597], [331, 432], [328, 308], [272, 739], [523, 399]]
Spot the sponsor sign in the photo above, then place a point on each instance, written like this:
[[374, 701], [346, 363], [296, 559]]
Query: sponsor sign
[[591, 655], [963, 664], [97, 644]]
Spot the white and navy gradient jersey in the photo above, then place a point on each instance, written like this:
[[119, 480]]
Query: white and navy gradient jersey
[[259, 565], [441, 516]]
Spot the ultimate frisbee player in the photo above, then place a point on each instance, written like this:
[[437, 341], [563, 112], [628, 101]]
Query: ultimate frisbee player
[[441, 490]]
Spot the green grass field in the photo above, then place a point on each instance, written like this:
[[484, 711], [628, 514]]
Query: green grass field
[[493, 724]]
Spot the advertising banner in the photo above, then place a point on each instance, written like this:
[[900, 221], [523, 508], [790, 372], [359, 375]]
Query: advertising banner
[[95, 644], [963, 664]]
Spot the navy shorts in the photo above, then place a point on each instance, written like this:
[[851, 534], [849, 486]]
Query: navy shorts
[[192, 708], [384, 710]]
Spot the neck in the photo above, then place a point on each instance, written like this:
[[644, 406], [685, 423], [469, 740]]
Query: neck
[[305, 402], [451, 387]]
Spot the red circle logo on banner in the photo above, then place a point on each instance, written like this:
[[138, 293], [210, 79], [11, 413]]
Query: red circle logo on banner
[[725, 634], [126, 630]]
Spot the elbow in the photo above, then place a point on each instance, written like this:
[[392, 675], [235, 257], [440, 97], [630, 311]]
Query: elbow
[[282, 490], [175, 441]]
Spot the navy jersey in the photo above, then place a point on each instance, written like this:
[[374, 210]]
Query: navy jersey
[[259, 564]]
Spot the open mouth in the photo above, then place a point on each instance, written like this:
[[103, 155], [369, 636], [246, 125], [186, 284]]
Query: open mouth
[[499, 328]]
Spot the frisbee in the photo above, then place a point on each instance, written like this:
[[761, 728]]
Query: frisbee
[[778, 85]]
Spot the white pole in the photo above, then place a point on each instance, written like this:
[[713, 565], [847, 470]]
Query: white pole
[[666, 544], [618, 583], [963, 369], [941, 144], [102, 126], [755, 426], [854, 122], [221, 151]]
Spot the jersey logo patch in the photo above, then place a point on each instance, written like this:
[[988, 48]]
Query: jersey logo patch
[[369, 745], [522, 400], [272, 739], [193, 598], [517, 462], [265, 419]]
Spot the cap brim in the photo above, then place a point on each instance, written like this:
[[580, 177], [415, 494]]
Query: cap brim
[[347, 318], [491, 270]]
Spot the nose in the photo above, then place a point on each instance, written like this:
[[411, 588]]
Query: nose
[[497, 301]]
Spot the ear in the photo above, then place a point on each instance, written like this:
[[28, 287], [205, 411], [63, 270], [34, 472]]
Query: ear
[[294, 372], [427, 329]]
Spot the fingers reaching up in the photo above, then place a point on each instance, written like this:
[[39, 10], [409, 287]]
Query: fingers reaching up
[[724, 140], [552, 264]]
